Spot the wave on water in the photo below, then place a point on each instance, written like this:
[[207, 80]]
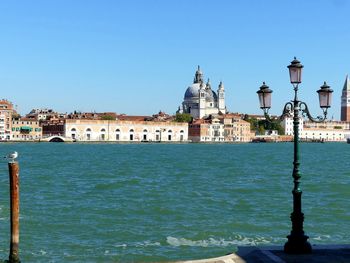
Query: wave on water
[[138, 244], [212, 242], [321, 237], [41, 252]]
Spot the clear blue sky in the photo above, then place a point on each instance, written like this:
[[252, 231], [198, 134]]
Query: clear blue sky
[[138, 57]]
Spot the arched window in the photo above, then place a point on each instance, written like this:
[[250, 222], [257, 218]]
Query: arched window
[[181, 135], [144, 138], [169, 135], [103, 136], [73, 130], [88, 135], [131, 135], [117, 135]]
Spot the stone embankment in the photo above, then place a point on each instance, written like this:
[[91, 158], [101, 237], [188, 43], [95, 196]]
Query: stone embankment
[[275, 254]]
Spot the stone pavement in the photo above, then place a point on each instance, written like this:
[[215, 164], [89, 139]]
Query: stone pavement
[[275, 254]]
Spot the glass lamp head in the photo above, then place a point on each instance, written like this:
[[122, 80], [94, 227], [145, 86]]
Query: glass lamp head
[[325, 96], [295, 70], [264, 94]]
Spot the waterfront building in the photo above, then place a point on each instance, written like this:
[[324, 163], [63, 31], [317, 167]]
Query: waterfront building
[[220, 128], [200, 100], [6, 112], [236, 129], [287, 124], [125, 130], [345, 101], [327, 131], [24, 129], [53, 127], [323, 134], [210, 130]]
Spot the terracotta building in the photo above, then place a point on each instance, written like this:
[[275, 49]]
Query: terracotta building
[[24, 129]]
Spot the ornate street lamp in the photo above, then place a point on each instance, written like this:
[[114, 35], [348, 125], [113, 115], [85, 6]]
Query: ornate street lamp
[[264, 94], [297, 241]]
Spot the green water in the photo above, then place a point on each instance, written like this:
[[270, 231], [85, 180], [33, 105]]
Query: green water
[[165, 202]]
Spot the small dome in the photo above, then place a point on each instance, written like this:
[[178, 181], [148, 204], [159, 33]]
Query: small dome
[[211, 95]]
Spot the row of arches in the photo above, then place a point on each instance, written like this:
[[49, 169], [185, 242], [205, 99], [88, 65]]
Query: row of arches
[[131, 134]]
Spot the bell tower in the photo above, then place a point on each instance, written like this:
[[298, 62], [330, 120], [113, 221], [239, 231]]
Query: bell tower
[[201, 100], [221, 98], [345, 101]]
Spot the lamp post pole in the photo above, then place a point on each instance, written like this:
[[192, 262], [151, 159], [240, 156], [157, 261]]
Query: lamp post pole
[[297, 241]]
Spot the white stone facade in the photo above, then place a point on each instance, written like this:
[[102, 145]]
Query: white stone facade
[[287, 124], [6, 112], [2, 127], [319, 134], [125, 131]]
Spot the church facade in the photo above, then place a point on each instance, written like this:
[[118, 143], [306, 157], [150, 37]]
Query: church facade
[[200, 100]]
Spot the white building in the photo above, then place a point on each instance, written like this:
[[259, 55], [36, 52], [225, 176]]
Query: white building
[[288, 126], [6, 112], [200, 100], [323, 134], [323, 131], [125, 131], [2, 127]]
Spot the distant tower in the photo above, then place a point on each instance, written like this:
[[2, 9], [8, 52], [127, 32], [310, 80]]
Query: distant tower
[[202, 95], [221, 98], [345, 101]]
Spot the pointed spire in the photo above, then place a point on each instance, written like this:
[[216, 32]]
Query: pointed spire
[[208, 86], [346, 84], [221, 86]]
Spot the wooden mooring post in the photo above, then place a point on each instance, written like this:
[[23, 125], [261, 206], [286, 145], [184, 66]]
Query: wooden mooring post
[[14, 205]]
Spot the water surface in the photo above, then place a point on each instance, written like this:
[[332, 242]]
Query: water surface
[[165, 202]]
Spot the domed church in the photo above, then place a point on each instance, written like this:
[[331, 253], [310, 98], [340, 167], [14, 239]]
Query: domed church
[[200, 100]]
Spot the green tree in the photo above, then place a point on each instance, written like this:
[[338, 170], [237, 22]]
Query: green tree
[[272, 125], [183, 117], [107, 118]]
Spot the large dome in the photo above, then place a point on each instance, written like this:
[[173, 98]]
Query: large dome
[[192, 92]]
